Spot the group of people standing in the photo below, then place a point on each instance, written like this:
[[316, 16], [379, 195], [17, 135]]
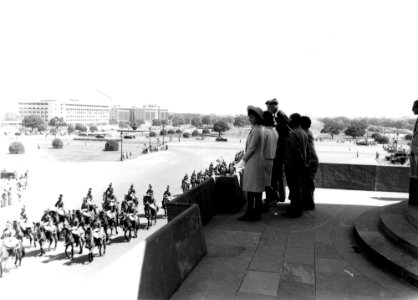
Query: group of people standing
[[12, 188], [279, 150]]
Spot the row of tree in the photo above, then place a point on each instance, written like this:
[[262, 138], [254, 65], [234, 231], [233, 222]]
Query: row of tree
[[357, 127], [36, 122]]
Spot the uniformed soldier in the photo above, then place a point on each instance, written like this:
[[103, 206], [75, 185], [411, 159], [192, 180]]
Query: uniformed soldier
[[23, 215], [109, 190], [150, 191], [89, 195], [60, 203]]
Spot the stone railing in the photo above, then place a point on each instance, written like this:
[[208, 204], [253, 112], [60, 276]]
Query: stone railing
[[363, 177], [220, 194]]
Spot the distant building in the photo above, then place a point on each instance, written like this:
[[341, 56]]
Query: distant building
[[72, 111], [147, 113], [77, 112]]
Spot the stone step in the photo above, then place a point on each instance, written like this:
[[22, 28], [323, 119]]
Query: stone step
[[383, 251], [397, 228], [412, 215]]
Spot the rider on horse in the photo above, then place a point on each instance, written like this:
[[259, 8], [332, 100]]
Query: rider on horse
[[109, 190], [132, 195], [166, 199], [193, 179], [185, 183], [60, 206], [23, 215], [150, 191], [9, 237], [8, 231], [89, 195]]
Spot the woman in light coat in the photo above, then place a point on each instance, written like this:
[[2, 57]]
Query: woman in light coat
[[254, 175]]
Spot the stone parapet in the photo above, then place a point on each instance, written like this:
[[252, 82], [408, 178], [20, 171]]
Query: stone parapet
[[363, 177]]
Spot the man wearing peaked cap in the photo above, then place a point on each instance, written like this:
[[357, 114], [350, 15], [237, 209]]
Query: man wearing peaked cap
[[282, 125]]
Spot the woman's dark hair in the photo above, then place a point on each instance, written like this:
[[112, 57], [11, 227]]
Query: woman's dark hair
[[305, 122], [295, 119], [267, 119], [257, 117]]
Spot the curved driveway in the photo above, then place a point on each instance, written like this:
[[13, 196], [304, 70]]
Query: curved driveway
[[44, 277]]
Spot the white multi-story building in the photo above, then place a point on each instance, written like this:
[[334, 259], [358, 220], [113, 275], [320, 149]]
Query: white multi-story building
[[146, 113], [72, 111]]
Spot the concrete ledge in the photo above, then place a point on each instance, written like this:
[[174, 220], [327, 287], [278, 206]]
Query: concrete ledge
[[170, 255], [363, 177], [221, 194], [202, 195]]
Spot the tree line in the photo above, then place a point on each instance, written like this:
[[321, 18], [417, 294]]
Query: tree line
[[357, 127]]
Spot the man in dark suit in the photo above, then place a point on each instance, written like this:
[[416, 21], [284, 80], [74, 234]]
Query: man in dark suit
[[413, 156], [277, 192]]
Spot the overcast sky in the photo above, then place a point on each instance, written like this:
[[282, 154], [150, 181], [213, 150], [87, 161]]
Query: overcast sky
[[321, 58]]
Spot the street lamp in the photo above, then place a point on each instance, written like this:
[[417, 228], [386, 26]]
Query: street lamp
[[163, 134], [121, 141], [149, 135]]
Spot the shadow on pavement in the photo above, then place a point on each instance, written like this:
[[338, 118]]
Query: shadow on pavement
[[117, 240], [81, 260], [33, 252]]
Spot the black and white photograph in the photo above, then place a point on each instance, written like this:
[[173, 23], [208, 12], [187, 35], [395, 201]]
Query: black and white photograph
[[209, 149]]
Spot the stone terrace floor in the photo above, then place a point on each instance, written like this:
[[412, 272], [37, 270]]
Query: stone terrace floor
[[312, 257]]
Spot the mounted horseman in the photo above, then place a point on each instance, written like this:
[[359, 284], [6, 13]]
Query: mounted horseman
[[46, 230], [95, 237], [73, 236], [193, 179], [10, 246], [59, 218], [108, 192], [131, 196], [185, 185], [23, 228], [166, 199], [150, 207], [130, 221]]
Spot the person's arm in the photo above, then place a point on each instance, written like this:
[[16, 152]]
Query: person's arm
[[283, 123], [255, 138], [296, 145]]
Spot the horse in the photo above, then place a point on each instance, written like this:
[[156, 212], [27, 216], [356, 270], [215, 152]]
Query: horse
[[166, 199], [130, 222], [24, 231], [150, 209], [43, 234], [58, 219], [10, 247], [73, 237], [109, 221], [95, 238]]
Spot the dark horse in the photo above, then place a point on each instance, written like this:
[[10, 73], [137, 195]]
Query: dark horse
[[24, 231], [73, 237], [14, 249], [150, 209], [108, 221], [130, 223], [58, 220], [42, 235], [95, 238]]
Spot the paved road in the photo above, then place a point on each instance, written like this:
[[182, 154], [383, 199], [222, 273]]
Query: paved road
[[44, 277]]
